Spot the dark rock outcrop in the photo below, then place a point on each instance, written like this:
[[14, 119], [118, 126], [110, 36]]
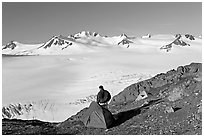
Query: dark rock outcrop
[[124, 42], [130, 93], [60, 41], [10, 45], [191, 37]]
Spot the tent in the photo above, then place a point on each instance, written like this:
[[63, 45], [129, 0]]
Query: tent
[[97, 116], [142, 95]]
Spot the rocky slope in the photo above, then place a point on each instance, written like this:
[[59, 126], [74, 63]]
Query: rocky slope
[[161, 80], [173, 106]]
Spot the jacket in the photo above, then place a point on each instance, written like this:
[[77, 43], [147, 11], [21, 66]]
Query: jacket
[[103, 96]]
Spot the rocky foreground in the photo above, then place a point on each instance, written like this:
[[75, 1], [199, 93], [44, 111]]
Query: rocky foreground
[[173, 106]]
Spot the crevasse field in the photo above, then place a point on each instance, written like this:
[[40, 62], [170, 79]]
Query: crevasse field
[[53, 84]]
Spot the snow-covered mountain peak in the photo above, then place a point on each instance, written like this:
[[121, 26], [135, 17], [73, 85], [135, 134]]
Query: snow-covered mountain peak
[[86, 34], [15, 42], [189, 36], [185, 36], [147, 36], [81, 34], [180, 40], [69, 38], [12, 45], [123, 35], [177, 36], [58, 40]]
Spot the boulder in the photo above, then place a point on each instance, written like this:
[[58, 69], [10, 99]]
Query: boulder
[[176, 94], [169, 109]]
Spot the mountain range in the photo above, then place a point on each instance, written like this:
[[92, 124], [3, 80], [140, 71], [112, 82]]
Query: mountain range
[[87, 41]]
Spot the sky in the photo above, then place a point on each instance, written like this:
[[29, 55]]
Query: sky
[[38, 22]]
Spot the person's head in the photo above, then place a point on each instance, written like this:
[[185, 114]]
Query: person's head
[[100, 87]]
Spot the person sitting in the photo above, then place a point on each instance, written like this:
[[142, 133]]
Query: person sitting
[[103, 97]]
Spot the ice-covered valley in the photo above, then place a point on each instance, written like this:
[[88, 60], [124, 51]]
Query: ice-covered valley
[[52, 88]]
